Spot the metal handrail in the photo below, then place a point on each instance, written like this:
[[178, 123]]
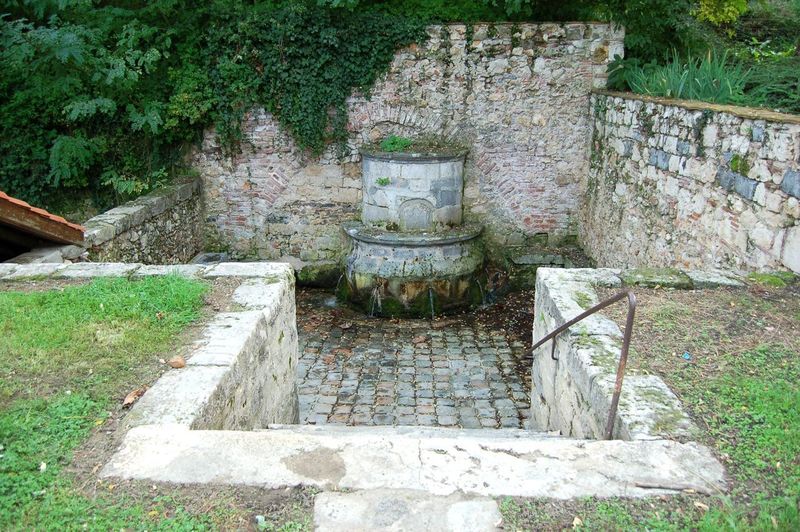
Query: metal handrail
[[623, 358]]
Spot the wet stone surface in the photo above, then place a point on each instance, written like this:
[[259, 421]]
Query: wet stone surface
[[467, 371]]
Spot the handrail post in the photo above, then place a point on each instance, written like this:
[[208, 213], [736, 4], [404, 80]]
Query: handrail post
[[623, 358]]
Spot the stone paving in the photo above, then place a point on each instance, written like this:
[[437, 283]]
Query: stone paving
[[468, 371]]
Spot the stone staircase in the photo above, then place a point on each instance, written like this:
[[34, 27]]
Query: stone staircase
[[417, 478]]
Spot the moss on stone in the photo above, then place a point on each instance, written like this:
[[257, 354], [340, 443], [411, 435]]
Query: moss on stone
[[583, 300], [656, 277], [773, 279], [739, 165], [319, 275], [668, 422]]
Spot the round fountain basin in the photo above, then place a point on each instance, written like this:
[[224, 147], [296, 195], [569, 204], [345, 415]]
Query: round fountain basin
[[413, 274]]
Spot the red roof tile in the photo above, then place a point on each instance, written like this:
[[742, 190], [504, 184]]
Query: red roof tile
[[38, 222]]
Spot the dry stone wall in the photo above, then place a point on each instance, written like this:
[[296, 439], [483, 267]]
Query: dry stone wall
[[693, 185], [164, 227], [517, 95]]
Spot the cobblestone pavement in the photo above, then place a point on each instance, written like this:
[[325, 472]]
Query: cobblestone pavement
[[467, 371]]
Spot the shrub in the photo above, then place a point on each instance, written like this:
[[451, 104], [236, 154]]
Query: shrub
[[710, 78]]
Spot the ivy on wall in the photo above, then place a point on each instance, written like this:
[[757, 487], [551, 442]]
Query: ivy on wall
[[100, 96]]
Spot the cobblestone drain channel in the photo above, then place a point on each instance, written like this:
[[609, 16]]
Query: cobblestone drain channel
[[468, 370]]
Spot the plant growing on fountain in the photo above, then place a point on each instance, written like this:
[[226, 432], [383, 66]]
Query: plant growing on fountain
[[411, 254], [395, 143]]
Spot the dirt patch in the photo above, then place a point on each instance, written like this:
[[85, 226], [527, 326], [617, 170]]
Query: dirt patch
[[703, 330]]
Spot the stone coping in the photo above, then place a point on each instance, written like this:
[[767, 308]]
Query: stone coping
[[112, 223], [752, 113], [414, 157], [86, 270], [360, 232], [589, 352], [437, 461]]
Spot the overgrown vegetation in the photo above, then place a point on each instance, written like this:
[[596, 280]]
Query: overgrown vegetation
[[748, 53], [709, 78]]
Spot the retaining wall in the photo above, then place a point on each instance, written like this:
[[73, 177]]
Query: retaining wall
[[517, 95], [163, 227], [572, 393], [689, 184], [241, 373]]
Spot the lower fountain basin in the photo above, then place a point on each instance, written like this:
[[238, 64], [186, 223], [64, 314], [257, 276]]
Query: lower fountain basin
[[413, 274]]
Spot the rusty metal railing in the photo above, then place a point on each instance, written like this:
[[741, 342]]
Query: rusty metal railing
[[623, 358]]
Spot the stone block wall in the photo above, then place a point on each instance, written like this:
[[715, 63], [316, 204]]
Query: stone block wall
[[164, 227], [693, 185], [517, 95], [572, 393]]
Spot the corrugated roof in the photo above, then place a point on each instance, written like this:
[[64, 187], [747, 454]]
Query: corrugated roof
[[27, 219]]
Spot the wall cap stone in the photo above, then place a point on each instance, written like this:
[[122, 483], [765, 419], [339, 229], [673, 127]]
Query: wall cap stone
[[751, 113]]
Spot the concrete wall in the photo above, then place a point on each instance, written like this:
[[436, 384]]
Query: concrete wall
[[517, 95], [694, 185]]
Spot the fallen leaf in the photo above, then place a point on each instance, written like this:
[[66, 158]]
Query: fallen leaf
[[418, 339], [159, 315], [577, 522], [133, 396], [700, 505], [345, 351], [328, 359], [177, 362]]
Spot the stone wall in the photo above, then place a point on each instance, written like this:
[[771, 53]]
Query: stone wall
[[572, 393], [692, 185], [518, 95], [164, 227]]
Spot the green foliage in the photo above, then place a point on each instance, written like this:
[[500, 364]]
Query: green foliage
[[301, 63], [395, 143], [720, 12], [37, 438], [775, 85], [54, 339], [710, 78], [102, 97]]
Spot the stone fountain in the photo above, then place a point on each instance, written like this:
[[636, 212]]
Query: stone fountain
[[411, 255]]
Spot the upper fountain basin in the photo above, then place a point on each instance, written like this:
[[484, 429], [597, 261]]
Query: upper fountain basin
[[412, 191]]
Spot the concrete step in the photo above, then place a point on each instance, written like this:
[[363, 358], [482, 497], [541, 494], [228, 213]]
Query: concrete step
[[382, 509], [437, 461]]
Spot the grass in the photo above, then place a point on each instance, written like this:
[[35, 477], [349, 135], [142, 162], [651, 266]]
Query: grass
[[65, 356], [89, 335], [741, 386]]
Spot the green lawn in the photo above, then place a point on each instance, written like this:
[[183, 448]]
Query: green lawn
[[66, 357]]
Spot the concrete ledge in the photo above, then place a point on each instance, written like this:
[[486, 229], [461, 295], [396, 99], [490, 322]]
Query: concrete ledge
[[440, 462]]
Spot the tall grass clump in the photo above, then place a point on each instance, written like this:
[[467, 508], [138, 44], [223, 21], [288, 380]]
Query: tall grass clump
[[709, 78]]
